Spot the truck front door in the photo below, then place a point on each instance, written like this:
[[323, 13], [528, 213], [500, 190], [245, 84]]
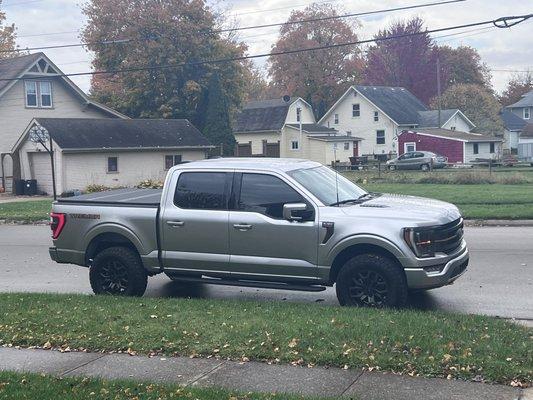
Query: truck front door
[[194, 223], [262, 242]]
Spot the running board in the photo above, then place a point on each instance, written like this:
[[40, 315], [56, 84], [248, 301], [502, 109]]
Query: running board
[[246, 283]]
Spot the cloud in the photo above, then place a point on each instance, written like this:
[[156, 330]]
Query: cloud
[[499, 48]]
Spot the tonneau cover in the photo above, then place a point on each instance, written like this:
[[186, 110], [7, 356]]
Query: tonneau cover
[[147, 197]]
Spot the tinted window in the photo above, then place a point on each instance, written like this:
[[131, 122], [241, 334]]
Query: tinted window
[[202, 190], [266, 194], [418, 155]]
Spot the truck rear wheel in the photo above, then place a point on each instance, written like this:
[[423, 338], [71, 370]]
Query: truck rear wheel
[[118, 271], [371, 280]]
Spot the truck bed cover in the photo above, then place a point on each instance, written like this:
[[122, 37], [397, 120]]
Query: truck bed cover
[[126, 197]]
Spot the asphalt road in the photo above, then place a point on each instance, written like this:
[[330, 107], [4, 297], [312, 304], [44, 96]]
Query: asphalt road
[[499, 280]]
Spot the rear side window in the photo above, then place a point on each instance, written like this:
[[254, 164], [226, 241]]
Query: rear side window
[[266, 194], [202, 191]]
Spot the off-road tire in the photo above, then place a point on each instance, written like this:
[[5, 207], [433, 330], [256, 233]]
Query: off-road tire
[[118, 271], [384, 272]]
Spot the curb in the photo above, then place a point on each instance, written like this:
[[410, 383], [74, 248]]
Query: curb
[[498, 222], [18, 222]]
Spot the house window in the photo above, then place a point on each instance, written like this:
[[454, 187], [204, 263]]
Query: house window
[[492, 148], [336, 119], [380, 137], [409, 147], [31, 93], [38, 94], [45, 89], [346, 145], [172, 160], [476, 148], [112, 164], [376, 116], [356, 110], [527, 112], [298, 114], [295, 145]]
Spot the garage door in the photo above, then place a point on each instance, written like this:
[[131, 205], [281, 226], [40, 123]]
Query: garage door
[[41, 170]]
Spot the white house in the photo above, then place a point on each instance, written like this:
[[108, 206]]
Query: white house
[[378, 114], [109, 152], [31, 86], [513, 127], [286, 128]]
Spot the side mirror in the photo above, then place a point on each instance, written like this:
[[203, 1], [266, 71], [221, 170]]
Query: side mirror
[[290, 211]]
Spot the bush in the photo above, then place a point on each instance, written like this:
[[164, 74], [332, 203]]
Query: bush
[[150, 184], [96, 188]]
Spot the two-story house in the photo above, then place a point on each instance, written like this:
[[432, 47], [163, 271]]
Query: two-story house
[[286, 127], [378, 114], [523, 107], [92, 143], [32, 86]]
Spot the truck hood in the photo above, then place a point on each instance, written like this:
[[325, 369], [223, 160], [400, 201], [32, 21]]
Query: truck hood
[[419, 209]]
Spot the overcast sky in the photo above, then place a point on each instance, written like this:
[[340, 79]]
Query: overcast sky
[[59, 22]]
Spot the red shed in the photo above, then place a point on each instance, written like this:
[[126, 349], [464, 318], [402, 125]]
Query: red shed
[[459, 147]]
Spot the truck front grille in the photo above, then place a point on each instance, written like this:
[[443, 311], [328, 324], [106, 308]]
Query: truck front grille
[[448, 237]]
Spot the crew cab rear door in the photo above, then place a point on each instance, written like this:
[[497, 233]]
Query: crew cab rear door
[[194, 221], [262, 242]]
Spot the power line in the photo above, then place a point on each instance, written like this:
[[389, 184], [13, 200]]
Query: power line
[[21, 3], [360, 14], [500, 22], [284, 8], [127, 40]]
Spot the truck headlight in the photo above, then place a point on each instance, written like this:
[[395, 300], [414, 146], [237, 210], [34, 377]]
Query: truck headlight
[[420, 240]]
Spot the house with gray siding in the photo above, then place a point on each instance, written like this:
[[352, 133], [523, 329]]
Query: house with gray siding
[[523, 107]]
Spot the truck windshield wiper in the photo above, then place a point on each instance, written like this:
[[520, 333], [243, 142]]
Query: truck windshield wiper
[[357, 200]]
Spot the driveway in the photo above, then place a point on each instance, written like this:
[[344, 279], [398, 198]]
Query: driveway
[[499, 281]]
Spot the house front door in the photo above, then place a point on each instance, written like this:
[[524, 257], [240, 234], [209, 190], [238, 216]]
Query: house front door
[[355, 149]]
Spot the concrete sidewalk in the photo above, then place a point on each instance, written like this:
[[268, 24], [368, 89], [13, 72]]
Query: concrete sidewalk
[[251, 376]]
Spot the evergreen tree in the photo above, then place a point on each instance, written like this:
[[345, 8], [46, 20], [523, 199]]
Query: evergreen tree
[[217, 126]]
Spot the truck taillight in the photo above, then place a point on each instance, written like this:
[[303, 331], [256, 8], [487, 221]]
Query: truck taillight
[[57, 223]]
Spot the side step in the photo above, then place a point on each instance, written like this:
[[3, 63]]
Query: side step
[[246, 283]]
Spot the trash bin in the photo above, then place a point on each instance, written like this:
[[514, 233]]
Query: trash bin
[[30, 187], [18, 187]]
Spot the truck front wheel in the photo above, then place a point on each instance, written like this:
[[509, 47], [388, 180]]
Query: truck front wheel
[[118, 271], [371, 280]]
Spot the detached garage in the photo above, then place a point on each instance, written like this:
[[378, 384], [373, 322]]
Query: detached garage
[[108, 152], [459, 147]]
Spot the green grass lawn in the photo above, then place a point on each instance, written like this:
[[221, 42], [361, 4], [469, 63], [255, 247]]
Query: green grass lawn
[[407, 341], [476, 201], [483, 201], [39, 387], [31, 210]]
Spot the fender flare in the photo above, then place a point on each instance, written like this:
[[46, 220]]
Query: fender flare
[[364, 239], [112, 227]]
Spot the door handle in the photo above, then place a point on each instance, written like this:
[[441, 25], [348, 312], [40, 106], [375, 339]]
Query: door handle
[[242, 227], [175, 223]]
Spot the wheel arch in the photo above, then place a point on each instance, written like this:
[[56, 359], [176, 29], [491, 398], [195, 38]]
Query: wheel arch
[[106, 240], [353, 249]]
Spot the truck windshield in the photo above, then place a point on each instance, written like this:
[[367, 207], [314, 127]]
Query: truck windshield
[[323, 182]]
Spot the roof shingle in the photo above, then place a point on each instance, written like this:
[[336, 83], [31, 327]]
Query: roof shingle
[[262, 115], [92, 133], [464, 136], [11, 68], [511, 121], [397, 102]]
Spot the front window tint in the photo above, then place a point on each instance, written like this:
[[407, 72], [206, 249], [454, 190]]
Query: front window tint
[[323, 182], [266, 194], [202, 191]]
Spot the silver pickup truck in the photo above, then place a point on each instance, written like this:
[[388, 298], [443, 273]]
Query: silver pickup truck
[[268, 223]]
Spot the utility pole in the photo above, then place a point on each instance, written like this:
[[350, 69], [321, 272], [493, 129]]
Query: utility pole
[[438, 89]]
